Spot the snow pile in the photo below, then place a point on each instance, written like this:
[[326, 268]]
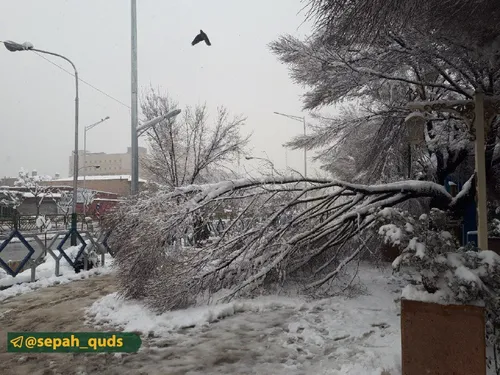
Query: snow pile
[[45, 275], [273, 334], [133, 316], [391, 233]]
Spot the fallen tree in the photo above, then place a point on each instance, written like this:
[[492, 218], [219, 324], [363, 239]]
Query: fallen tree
[[280, 227]]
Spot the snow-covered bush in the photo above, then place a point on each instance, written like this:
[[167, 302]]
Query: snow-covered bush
[[456, 274], [494, 228], [447, 273]]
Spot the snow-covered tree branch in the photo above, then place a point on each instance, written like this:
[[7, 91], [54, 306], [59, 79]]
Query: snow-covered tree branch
[[280, 227], [372, 81]]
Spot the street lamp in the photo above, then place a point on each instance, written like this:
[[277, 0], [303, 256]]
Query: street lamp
[[87, 128], [303, 120], [415, 122], [27, 46], [137, 132], [271, 164], [478, 114], [149, 124]]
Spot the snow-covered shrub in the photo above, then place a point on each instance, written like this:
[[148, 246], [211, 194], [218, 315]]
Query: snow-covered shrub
[[494, 228], [459, 274], [448, 273]]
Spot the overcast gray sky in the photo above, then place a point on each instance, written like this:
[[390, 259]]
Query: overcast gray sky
[[238, 71]]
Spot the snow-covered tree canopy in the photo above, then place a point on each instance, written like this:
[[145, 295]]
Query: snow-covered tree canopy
[[279, 229], [473, 22], [32, 184], [11, 199], [187, 149], [372, 81]]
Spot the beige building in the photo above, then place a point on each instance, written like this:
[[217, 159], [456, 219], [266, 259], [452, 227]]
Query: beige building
[[109, 164]]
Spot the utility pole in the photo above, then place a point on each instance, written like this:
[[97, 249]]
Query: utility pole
[[303, 120], [305, 149], [134, 184]]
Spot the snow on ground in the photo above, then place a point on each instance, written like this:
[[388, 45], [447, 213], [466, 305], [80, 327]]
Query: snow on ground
[[272, 334], [45, 275]]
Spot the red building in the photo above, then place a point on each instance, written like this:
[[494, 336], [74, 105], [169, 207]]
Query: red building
[[101, 203]]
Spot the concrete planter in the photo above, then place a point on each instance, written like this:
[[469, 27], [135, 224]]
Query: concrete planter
[[494, 244], [442, 339]]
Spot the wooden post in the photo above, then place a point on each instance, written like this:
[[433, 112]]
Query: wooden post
[[482, 218]]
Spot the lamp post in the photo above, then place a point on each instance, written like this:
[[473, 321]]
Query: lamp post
[[134, 184], [27, 46], [87, 128], [303, 120], [136, 130], [478, 114]]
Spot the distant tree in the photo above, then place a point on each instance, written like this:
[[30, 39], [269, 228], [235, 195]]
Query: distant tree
[[32, 185], [10, 199], [88, 197], [187, 149], [64, 203]]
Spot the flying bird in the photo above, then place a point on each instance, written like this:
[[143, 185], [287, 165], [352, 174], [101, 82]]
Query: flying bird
[[201, 36]]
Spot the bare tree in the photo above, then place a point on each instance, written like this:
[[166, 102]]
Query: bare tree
[[64, 203], [189, 150], [88, 197]]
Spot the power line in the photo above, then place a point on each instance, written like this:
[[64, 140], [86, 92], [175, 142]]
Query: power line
[[81, 80]]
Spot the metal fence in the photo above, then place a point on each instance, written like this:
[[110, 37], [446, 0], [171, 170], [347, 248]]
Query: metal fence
[[22, 234], [28, 223]]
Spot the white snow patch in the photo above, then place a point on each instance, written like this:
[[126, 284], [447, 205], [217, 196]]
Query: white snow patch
[[101, 177], [423, 217], [133, 316], [489, 257], [387, 212], [466, 274], [413, 293], [446, 235], [288, 336], [391, 233], [409, 228], [420, 250], [45, 275]]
